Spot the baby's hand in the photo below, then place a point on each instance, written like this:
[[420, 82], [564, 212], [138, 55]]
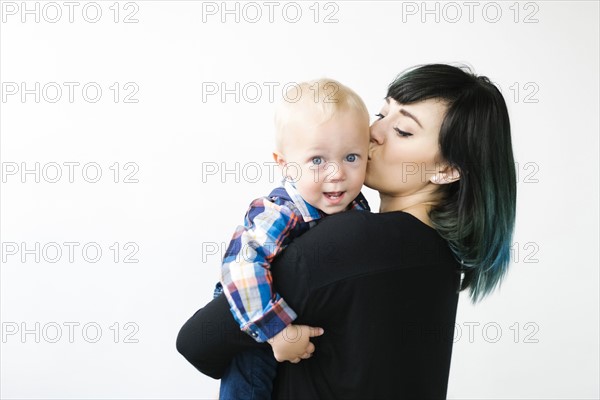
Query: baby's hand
[[293, 343]]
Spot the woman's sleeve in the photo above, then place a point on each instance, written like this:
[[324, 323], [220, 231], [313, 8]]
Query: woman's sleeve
[[211, 338]]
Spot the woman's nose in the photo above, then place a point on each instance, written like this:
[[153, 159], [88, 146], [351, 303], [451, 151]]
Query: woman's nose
[[376, 134]]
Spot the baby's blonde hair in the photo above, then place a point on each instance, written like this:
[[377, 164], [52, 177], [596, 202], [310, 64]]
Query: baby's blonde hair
[[316, 102]]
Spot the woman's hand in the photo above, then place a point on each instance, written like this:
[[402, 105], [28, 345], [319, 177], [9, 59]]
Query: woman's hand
[[293, 343]]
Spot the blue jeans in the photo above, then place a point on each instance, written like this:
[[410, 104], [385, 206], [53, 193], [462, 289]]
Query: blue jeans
[[250, 375]]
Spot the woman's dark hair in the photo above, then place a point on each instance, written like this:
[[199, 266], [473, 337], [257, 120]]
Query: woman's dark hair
[[477, 213]]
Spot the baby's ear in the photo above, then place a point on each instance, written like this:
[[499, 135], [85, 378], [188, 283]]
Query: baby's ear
[[448, 175], [278, 157]]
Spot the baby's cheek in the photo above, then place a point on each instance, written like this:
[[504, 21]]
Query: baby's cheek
[[308, 185], [361, 172], [310, 175]]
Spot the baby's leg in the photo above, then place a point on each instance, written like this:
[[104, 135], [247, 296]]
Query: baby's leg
[[250, 376]]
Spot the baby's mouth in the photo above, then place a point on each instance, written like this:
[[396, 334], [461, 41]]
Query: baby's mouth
[[333, 195]]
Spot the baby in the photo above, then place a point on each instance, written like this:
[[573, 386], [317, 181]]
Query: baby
[[322, 139]]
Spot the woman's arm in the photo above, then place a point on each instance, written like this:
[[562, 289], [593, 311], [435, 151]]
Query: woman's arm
[[211, 338]]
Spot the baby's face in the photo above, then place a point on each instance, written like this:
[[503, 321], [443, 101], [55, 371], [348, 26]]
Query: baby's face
[[328, 161]]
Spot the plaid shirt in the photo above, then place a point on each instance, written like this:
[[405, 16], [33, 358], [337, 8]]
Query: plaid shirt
[[271, 223]]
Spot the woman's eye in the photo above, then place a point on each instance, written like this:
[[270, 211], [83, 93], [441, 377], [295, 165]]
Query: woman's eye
[[379, 116], [317, 161], [402, 133], [351, 157]]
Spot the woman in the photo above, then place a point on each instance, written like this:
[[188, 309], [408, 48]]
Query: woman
[[385, 286]]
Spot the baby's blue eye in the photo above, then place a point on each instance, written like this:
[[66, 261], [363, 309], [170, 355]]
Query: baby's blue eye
[[351, 157], [317, 160]]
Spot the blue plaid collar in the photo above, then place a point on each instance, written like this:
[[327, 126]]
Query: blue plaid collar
[[290, 193], [308, 212]]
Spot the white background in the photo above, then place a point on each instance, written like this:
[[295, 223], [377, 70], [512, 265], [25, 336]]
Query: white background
[[535, 338]]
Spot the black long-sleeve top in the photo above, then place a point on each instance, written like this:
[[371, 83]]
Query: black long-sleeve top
[[383, 286]]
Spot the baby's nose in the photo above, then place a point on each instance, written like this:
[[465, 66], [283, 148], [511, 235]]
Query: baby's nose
[[335, 172]]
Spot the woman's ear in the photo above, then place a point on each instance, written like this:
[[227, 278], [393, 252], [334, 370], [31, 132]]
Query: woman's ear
[[279, 159], [447, 175]]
